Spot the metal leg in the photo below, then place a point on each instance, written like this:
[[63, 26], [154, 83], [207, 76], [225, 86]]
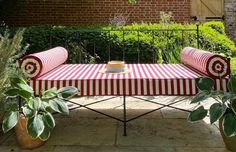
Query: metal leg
[[19, 102], [124, 122]]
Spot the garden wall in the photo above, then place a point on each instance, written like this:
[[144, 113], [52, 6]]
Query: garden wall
[[230, 18], [88, 12]]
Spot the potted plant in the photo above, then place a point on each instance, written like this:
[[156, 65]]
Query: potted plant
[[223, 110], [33, 121]]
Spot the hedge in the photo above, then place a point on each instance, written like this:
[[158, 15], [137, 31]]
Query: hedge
[[160, 46]]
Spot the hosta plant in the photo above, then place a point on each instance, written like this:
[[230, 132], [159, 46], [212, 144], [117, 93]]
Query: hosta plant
[[223, 109], [37, 110]]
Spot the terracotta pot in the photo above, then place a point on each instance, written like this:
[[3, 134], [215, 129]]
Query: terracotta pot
[[24, 140], [230, 142]]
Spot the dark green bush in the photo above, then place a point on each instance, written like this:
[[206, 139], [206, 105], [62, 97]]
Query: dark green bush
[[150, 44]]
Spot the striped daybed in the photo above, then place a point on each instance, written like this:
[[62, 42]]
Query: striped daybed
[[47, 69]]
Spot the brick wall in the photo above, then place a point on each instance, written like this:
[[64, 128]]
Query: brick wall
[[88, 12], [230, 18]]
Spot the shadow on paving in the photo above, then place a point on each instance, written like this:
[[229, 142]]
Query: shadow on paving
[[162, 131]]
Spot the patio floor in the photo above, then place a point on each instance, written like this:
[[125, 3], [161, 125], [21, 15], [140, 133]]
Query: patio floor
[[162, 131]]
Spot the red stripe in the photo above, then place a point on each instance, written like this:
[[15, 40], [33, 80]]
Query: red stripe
[[160, 87], [178, 86], [94, 87], [82, 87]]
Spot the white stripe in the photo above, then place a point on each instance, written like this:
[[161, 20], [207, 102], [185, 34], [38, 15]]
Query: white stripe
[[115, 86], [121, 86], [163, 87], [61, 84], [37, 86], [139, 87], [55, 83], [103, 87], [193, 87], [109, 87], [145, 87], [175, 87], [97, 87], [157, 87], [133, 86], [79, 84], [187, 87], [127, 86], [91, 87], [42, 86], [151, 86], [85, 87], [73, 83], [49, 84], [217, 84], [224, 85], [181, 87], [169, 87], [67, 83]]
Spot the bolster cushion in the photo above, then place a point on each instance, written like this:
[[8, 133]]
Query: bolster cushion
[[212, 64], [37, 64]]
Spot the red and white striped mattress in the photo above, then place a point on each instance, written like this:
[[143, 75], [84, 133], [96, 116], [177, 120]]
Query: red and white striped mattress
[[144, 79]]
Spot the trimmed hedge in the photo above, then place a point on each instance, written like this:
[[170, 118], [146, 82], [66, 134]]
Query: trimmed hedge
[[159, 46]]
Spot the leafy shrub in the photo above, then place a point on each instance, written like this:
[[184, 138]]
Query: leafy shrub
[[149, 44]]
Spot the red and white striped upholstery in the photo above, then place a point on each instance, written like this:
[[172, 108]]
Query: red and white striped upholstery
[[209, 63], [35, 65], [144, 79]]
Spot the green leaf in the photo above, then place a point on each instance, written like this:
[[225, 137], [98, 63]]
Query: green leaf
[[35, 126], [59, 106], [45, 134], [12, 92], [17, 80], [10, 120], [35, 103], [12, 107], [25, 87], [27, 111], [227, 96], [229, 124], [205, 83], [45, 106], [25, 94], [233, 105], [49, 120], [67, 92], [203, 95], [48, 94], [197, 114], [232, 84], [217, 110]]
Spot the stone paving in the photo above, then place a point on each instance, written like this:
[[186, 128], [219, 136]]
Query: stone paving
[[162, 131]]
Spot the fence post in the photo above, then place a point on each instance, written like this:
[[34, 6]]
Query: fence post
[[197, 35]]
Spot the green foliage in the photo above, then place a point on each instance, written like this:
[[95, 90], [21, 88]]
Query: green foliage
[[37, 110], [10, 50], [213, 38], [224, 109], [88, 44]]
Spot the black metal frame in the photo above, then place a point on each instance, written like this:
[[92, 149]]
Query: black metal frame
[[125, 120], [167, 32]]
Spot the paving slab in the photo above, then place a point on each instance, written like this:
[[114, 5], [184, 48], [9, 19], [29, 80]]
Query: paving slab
[[112, 149], [162, 131], [17, 149], [84, 132], [170, 132], [193, 149]]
